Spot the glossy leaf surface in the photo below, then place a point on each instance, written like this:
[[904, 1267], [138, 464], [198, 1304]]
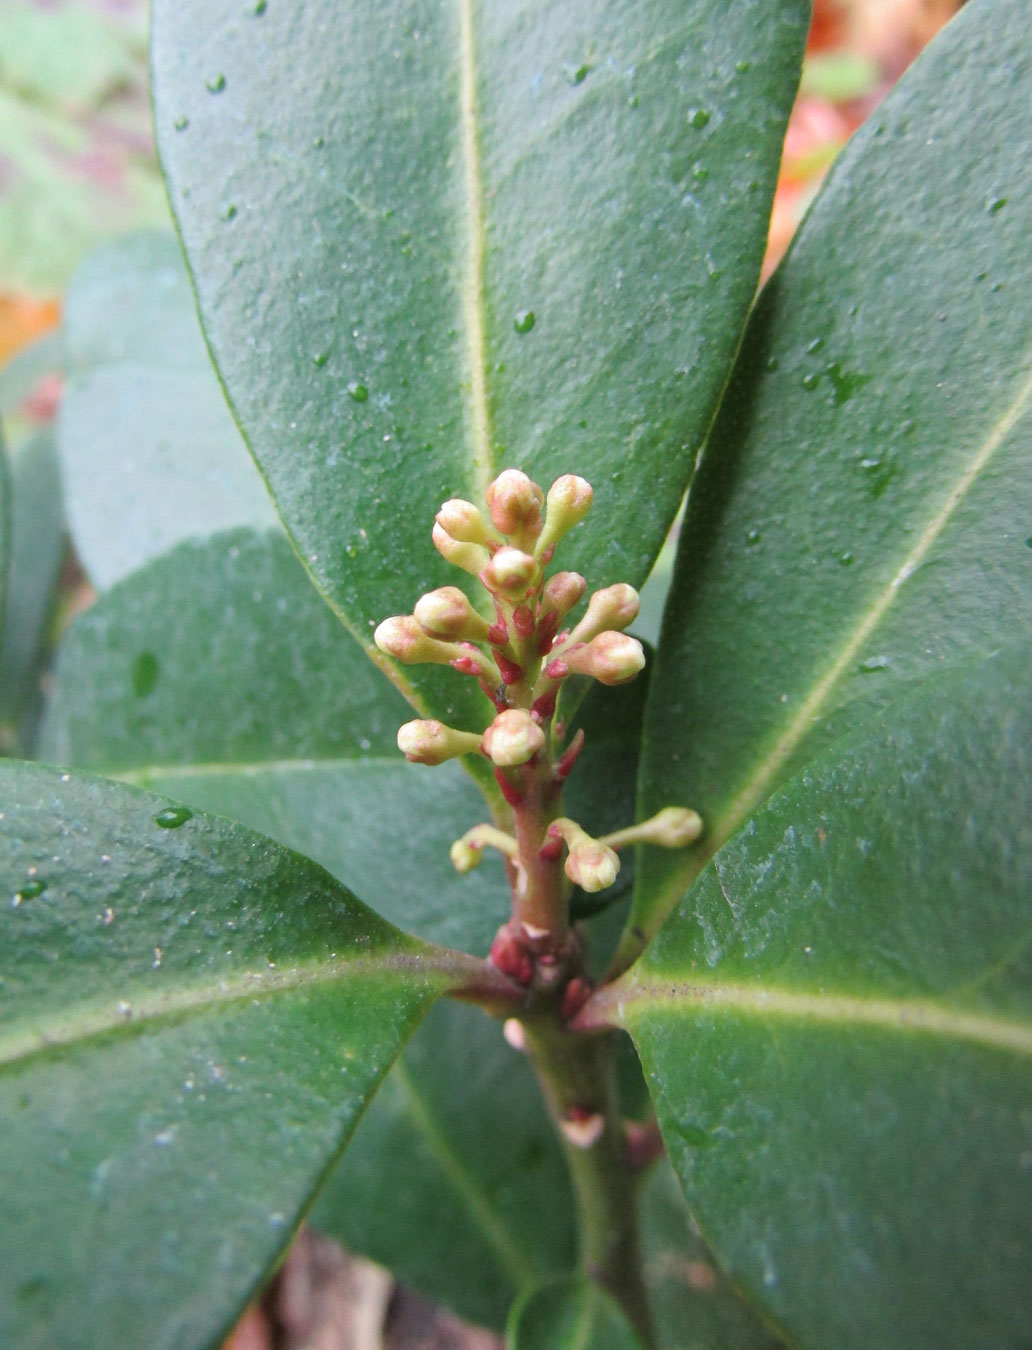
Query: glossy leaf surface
[[37, 547], [836, 1024], [285, 725], [475, 236], [862, 516], [456, 1146], [193, 1019], [149, 449], [571, 1314]]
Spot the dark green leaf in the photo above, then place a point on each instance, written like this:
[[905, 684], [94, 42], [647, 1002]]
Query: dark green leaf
[[864, 511], [37, 547], [192, 1020], [455, 1179], [836, 1024], [284, 724], [432, 241], [149, 449], [570, 1314]]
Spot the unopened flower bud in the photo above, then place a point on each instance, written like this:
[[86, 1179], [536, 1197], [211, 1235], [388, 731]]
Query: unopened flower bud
[[511, 573], [431, 742], [446, 613], [610, 658], [590, 864], [471, 558], [466, 852], [462, 521], [514, 501], [464, 856], [561, 593], [568, 502], [673, 827], [403, 638], [513, 738], [615, 607]]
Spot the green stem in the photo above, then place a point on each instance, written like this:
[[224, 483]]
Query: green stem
[[578, 1083]]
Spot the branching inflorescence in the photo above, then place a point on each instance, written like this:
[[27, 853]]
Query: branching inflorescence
[[520, 656]]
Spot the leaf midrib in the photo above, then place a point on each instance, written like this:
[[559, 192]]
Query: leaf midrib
[[88, 1021], [143, 774], [625, 1001], [756, 787]]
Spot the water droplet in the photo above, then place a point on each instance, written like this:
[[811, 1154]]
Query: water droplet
[[752, 538], [181, 123], [145, 674], [773, 363], [633, 101], [123, 1008], [319, 142], [320, 359], [815, 345], [743, 66], [358, 391], [811, 380], [260, 6], [524, 321], [699, 117], [1028, 542], [171, 817], [577, 74], [872, 664], [845, 382], [229, 211], [846, 559], [216, 84], [993, 203], [29, 890], [879, 473]]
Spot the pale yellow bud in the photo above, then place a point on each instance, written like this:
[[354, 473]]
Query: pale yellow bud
[[511, 573], [464, 856], [561, 593], [431, 742], [447, 613], [673, 827], [615, 607], [514, 501], [568, 502], [513, 738], [471, 558], [462, 521], [403, 638], [590, 864], [610, 658]]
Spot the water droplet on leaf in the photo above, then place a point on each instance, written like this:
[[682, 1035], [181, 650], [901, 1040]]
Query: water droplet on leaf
[[524, 321], [994, 203], [358, 391], [320, 359], [181, 123], [30, 889], [577, 74], [752, 538], [811, 380], [699, 118], [216, 84], [873, 664], [171, 817], [145, 674]]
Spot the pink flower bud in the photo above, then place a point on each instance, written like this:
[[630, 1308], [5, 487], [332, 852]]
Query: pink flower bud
[[561, 593], [610, 658], [515, 505], [513, 738], [431, 742], [471, 558], [447, 613], [511, 573], [568, 502], [402, 638], [462, 521], [614, 607]]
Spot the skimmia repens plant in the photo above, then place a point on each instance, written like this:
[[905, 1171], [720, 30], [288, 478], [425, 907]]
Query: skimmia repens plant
[[765, 1084]]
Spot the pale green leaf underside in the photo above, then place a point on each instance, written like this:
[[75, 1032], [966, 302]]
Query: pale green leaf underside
[[837, 1028], [367, 253], [193, 1019], [861, 518]]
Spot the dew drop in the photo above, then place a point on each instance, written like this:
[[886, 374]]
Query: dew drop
[[993, 203], [773, 363], [699, 118], [815, 345], [752, 538], [29, 890], [358, 391], [577, 74], [228, 211], [743, 66], [1028, 542], [846, 559], [216, 84], [320, 359], [319, 142], [524, 321], [873, 664], [181, 123], [145, 674], [633, 101], [811, 380], [171, 817], [260, 6]]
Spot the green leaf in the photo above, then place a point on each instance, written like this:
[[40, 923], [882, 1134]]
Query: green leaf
[[37, 548], [140, 476], [193, 1018], [429, 242], [5, 527], [457, 1145], [862, 517], [836, 1025], [571, 1314], [284, 725]]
